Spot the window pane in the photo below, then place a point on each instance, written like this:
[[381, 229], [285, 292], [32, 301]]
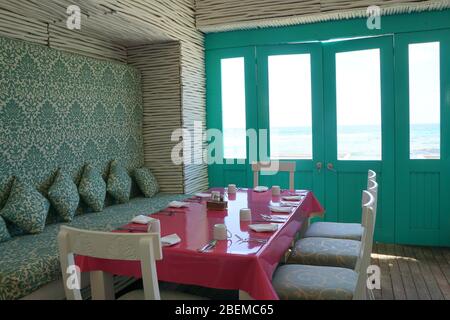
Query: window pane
[[424, 101], [290, 106], [358, 95], [233, 108]]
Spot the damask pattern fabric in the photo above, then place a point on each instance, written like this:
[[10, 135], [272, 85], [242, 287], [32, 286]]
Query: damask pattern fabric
[[146, 181], [31, 261], [63, 195], [26, 208], [298, 282], [92, 188], [326, 252], [5, 189], [336, 230], [119, 183], [4, 233], [62, 110]]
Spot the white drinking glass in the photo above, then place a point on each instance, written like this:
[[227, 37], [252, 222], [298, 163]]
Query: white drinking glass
[[231, 188], [245, 214], [276, 190], [221, 232]]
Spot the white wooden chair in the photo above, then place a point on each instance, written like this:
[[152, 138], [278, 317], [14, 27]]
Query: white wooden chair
[[145, 247], [257, 167], [342, 230], [308, 282]]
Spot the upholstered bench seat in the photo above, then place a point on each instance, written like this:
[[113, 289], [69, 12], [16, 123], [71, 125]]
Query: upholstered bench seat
[[336, 230], [300, 282], [325, 252], [31, 261]]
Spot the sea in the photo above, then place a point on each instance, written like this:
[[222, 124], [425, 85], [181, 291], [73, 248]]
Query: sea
[[353, 142]]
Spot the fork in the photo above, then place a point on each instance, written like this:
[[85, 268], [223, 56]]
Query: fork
[[211, 244], [250, 239]]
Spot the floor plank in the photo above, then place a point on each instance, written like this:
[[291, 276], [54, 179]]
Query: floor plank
[[427, 274], [394, 270], [437, 273], [405, 273], [386, 282], [419, 281]]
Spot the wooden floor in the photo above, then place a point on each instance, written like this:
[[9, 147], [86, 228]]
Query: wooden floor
[[410, 272]]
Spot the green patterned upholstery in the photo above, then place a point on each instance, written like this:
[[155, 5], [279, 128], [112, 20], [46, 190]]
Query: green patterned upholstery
[[146, 182], [336, 230], [326, 252], [31, 261], [26, 208], [63, 195], [5, 189], [4, 233], [299, 282], [119, 183], [92, 188]]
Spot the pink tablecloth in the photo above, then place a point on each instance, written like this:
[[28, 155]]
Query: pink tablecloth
[[233, 265]]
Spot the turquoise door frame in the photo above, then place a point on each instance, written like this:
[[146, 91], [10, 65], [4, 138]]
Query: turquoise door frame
[[423, 186], [238, 172], [346, 180], [395, 224], [307, 175]]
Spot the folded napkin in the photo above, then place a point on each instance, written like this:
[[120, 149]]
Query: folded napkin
[[260, 189], [281, 209], [293, 198], [266, 227], [141, 219], [178, 204], [203, 195], [289, 203], [170, 240]]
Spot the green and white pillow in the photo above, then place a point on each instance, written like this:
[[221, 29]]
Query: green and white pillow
[[4, 233], [119, 183], [26, 208], [5, 189], [63, 195], [92, 188], [146, 181]]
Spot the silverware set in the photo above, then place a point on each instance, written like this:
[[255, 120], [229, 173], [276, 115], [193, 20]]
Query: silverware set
[[210, 245], [250, 239], [272, 219]]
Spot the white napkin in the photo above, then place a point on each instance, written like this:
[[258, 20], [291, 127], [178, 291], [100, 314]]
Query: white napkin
[[170, 240], [280, 209], [260, 189], [177, 204], [289, 203], [203, 195], [141, 219], [266, 227], [290, 198]]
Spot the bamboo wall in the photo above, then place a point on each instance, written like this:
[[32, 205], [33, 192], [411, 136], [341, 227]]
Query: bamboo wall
[[159, 38], [225, 15]]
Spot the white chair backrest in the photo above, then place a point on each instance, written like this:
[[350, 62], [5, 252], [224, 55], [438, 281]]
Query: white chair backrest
[[366, 246], [257, 167], [371, 175], [145, 247]]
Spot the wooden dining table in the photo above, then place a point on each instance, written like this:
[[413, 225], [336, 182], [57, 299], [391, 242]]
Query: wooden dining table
[[232, 264]]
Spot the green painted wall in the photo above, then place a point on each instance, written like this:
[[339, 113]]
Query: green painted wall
[[63, 110]]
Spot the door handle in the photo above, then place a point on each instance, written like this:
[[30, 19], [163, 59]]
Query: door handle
[[319, 166], [330, 167]]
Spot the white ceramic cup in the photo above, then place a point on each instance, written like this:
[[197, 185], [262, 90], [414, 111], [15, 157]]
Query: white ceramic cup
[[154, 226], [220, 232], [232, 188], [276, 191], [245, 214], [215, 195]]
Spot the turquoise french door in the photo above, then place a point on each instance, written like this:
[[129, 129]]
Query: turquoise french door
[[291, 112], [359, 129], [422, 62], [231, 109]]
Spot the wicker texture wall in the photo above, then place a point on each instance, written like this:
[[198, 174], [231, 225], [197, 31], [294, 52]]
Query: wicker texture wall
[[225, 15], [123, 30]]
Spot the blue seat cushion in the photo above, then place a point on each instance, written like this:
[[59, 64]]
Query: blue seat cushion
[[337, 230], [31, 261], [300, 282]]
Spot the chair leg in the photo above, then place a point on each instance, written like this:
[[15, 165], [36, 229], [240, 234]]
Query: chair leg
[[102, 286]]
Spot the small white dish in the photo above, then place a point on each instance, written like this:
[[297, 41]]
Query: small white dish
[[266, 227], [170, 240], [293, 198], [178, 204], [203, 195], [280, 209], [260, 189]]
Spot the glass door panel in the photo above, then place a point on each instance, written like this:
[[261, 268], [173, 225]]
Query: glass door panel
[[359, 128], [290, 109]]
